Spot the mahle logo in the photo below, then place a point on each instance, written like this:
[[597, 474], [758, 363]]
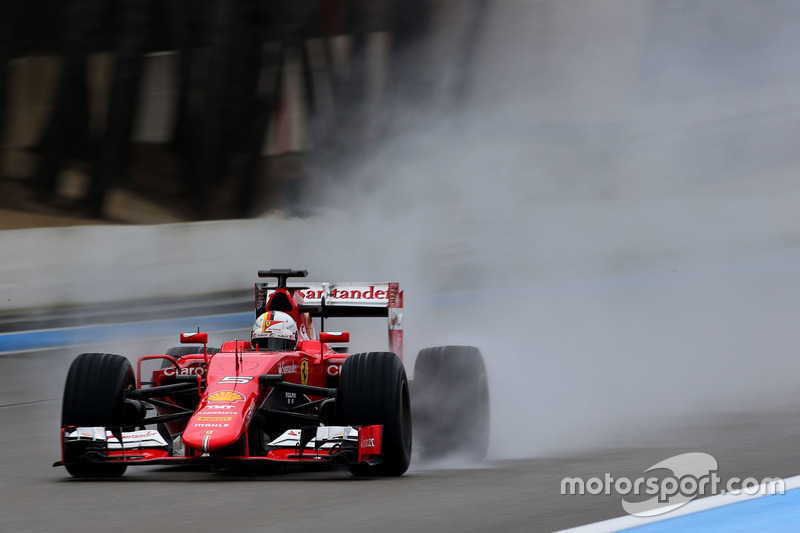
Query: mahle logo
[[691, 475]]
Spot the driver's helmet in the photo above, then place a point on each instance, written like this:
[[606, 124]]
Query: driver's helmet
[[274, 331]]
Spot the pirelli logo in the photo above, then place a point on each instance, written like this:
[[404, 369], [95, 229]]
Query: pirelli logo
[[214, 418]]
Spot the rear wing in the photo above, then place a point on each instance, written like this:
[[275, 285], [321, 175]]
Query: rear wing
[[347, 300]]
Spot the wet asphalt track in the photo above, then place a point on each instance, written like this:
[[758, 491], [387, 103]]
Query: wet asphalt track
[[521, 495]]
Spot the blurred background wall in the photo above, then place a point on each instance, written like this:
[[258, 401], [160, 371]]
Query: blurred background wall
[[198, 104], [218, 109]]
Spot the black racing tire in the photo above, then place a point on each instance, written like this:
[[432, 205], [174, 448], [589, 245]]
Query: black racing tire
[[93, 396], [451, 402], [374, 391]]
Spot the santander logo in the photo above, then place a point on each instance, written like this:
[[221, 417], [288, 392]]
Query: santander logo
[[349, 293]]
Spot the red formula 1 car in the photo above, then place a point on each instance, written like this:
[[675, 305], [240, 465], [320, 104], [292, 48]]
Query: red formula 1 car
[[306, 404]]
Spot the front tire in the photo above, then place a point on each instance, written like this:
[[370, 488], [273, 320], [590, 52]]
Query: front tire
[[374, 391], [93, 396]]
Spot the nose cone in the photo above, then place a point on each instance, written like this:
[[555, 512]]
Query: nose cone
[[211, 429]]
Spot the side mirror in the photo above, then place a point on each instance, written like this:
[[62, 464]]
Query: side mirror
[[335, 336], [194, 338]]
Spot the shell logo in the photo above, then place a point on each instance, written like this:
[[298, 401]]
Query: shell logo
[[226, 396]]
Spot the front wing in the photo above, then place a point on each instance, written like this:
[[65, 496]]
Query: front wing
[[306, 446]]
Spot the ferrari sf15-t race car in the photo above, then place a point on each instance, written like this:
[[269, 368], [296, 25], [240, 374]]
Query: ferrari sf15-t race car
[[287, 398]]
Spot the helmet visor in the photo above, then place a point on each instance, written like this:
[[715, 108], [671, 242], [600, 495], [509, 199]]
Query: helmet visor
[[271, 344]]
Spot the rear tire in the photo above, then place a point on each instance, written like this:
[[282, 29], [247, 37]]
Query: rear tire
[[374, 391], [93, 396], [451, 402]]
